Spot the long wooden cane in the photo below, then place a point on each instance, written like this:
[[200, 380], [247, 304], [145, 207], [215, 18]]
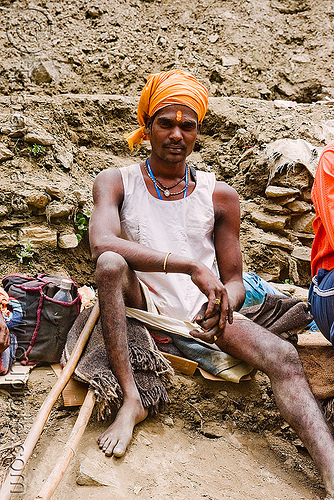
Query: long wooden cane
[[14, 477], [69, 449]]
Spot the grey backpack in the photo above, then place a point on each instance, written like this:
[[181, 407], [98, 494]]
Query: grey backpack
[[42, 332]]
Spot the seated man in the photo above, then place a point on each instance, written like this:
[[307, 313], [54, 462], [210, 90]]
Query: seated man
[[321, 295], [157, 223]]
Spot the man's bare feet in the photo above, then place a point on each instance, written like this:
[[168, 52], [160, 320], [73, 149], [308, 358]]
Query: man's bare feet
[[117, 437]]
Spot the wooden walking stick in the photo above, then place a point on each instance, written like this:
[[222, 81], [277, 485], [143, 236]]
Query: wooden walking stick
[[14, 477], [69, 450]]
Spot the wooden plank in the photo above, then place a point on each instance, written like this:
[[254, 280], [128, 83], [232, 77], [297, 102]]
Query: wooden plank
[[313, 339], [17, 375], [182, 365], [209, 376], [74, 392]]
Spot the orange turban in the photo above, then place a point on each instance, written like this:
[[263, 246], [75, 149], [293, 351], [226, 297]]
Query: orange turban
[[163, 89]]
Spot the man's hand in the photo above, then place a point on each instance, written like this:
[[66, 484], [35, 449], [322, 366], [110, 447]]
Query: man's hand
[[214, 314], [4, 334], [211, 329]]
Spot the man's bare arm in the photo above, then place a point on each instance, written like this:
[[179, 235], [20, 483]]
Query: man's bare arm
[[105, 235], [228, 254], [227, 243]]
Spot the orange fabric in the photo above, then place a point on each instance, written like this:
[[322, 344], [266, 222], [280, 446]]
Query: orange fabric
[[4, 299], [322, 255], [166, 88]]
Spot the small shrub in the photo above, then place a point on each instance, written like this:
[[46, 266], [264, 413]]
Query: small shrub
[[82, 222], [37, 150], [26, 253]]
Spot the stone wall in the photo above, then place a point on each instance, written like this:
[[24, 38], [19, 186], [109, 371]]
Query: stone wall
[[51, 149]]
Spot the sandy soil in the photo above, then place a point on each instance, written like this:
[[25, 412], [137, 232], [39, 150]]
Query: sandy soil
[[201, 446]]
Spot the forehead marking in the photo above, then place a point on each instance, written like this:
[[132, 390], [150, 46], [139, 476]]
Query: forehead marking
[[179, 115]]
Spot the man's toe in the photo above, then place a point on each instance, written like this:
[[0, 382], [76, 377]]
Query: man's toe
[[119, 449], [109, 450], [102, 439]]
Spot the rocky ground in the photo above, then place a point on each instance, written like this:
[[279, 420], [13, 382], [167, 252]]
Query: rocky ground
[[215, 440], [263, 49], [70, 76]]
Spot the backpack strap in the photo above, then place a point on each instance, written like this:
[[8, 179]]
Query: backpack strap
[[34, 335]]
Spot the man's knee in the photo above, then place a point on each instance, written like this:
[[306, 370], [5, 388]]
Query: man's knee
[[110, 266], [285, 361]]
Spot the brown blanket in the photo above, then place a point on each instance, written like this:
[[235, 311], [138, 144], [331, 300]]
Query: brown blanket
[[152, 373], [280, 314]]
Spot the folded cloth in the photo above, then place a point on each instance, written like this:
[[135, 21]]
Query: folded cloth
[[256, 289], [208, 356], [280, 314], [152, 372]]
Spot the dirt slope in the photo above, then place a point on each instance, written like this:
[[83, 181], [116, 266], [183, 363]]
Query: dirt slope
[[255, 48], [249, 53]]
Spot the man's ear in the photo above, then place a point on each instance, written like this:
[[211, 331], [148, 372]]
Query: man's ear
[[148, 123]]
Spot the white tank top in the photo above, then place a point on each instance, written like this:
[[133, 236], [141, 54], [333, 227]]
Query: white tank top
[[183, 227]]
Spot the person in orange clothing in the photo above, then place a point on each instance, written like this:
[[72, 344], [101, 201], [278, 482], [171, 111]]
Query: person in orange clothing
[[156, 224], [321, 293], [4, 332]]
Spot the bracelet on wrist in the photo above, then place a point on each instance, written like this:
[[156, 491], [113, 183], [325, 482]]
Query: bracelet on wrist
[[165, 261]]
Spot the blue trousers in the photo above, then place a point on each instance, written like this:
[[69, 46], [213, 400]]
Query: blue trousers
[[321, 298]]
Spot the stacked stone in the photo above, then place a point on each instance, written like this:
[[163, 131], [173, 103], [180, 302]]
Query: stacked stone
[[285, 220], [31, 207]]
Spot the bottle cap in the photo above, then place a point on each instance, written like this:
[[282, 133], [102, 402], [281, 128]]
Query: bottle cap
[[66, 284]]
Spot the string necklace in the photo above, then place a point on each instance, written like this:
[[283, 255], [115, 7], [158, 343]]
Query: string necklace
[[164, 189], [168, 188]]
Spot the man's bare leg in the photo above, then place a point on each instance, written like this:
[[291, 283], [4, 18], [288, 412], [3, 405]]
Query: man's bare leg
[[280, 361], [118, 284]]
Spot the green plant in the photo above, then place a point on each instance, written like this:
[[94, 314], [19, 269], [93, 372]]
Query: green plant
[[82, 222], [37, 150], [288, 282], [26, 252]]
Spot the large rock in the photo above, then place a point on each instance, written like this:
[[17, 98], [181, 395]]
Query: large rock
[[299, 207], [64, 157], [38, 200], [3, 210], [38, 236], [280, 192], [67, 240], [302, 253], [270, 222], [39, 136], [285, 200], [274, 208], [55, 191], [92, 474], [5, 153], [8, 239], [44, 72], [295, 291], [57, 210], [303, 223], [270, 239]]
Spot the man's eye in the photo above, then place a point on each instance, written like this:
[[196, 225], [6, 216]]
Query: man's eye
[[189, 126]]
